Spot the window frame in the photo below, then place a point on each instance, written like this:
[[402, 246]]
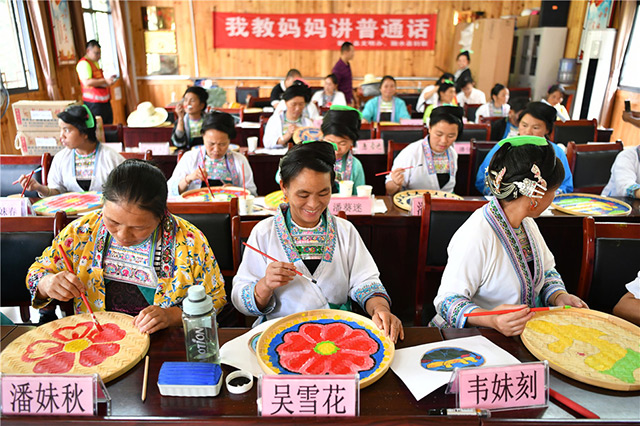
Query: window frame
[[28, 62], [634, 35], [93, 12]]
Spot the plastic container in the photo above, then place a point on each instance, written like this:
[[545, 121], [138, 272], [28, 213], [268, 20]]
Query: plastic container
[[200, 327], [189, 379]]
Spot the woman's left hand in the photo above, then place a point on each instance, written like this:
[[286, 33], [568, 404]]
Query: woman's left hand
[[154, 318], [389, 323], [571, 300]]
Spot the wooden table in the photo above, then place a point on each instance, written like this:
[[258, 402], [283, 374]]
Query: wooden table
[[388, 401]]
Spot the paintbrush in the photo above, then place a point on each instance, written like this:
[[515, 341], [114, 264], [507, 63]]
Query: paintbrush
[[275, 260], [390, 171], [206, 180], [508, 311], [67, 262], [15, 182], [27, 184]]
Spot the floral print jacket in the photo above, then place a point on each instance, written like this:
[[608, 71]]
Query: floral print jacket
[[186, 259]]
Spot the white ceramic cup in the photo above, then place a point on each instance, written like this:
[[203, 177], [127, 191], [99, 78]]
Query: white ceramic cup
[[252, 143], [364, 190], [245, 204], [346, 188]]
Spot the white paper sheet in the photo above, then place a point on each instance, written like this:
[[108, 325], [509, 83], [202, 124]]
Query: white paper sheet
[[379, 206], [421, 382], [236, 352]]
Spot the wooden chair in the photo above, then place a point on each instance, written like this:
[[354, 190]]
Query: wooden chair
[[520, 92], [402, 133], [489, 120], [609, 261], [147, 155], [243, 93], [441, 218], [22, 239], [578, 131], [367, 131], [477, 154], [131, 136], [12, 166], [220, 224], [479, 132], [470, 111], [393, 149], [113, 132], [258, 102], [411, 99], [263, 125], [591, 165]]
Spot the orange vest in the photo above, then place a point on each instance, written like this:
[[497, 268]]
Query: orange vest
[[95, 94]]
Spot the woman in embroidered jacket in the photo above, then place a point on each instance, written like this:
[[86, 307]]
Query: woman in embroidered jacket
[[305, 236], [187, 131], [498, 106], [386, 107], [283, 123], [132, 256], [498, 258], [84, 163], [433, 160], [220, 166]]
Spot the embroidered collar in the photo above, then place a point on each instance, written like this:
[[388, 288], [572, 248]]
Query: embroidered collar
[[168, 228], [287, 240], [496, 218], [428, 156], [344, 167], [230, 164]]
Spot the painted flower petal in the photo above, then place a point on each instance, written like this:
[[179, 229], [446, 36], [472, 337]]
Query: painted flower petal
[[110, 333], [295, 361], [78, 331], [312, 332], [360, 342], [96, 354], [336, 332], [41, 349], [295, 343], [349, 363], [316, 364], [59, 363]]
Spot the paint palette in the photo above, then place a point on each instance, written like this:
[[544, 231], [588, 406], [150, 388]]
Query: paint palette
[[220, 193], [274, 199], [71, 203], [590, 346], [590, 205], [402, 199], [325, 341]]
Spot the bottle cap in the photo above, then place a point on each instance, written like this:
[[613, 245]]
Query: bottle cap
[[239, 382], [197, 302]]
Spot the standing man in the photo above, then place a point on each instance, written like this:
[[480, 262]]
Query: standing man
[[95, 87], [342, 70]]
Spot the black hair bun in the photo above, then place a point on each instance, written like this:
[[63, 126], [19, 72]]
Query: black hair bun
[[220, 121], [543, 112], [298, 88], [344, 123]]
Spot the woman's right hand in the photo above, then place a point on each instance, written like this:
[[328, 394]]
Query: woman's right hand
[[278, 274], [180, 112], [61, 286], [197, 174], [29, 184], [397, 176], [511, 324]]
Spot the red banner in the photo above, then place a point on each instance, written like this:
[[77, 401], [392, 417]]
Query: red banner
[[323, 31]]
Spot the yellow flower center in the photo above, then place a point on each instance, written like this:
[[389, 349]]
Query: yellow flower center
[[326, 348], [76, 345]]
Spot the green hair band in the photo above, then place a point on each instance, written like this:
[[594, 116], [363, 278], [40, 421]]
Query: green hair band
[[448, 82], [89, 122], [524, 140], [344, 108], [335, 146]]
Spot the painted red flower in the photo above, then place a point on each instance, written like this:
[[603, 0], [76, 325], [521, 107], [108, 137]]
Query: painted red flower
[[327, 349], [58, 356]]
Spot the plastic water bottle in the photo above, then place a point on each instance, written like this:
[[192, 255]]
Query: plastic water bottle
[[200, 327]]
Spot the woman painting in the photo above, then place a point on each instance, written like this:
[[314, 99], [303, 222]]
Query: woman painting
[[311, 240], [446, 96], [283, 124], [213, 160], [84, 163], [132, 256], [498, 258], [498, 106], [555, 96], [433, 160], [330, 95], [187, 131]]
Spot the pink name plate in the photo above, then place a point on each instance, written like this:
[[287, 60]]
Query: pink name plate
[[351, 205], [317, 396], [510, 386], [417, 205], [11, 207], [52, 395], [370, 146]]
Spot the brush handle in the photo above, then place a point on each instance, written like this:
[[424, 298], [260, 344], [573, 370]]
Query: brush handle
[[27, 184], [274, 260], [391, 171], [508, 311], [206, 181]]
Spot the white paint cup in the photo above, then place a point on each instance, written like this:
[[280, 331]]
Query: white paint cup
[[346, 188], [245, 204], [364, 190], [252, 143]]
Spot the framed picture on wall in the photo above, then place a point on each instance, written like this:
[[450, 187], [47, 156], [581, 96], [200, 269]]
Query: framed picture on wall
[[62, 32]]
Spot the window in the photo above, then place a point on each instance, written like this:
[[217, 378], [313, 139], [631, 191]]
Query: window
[[98, 25], [630, 78], [16, 57]]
